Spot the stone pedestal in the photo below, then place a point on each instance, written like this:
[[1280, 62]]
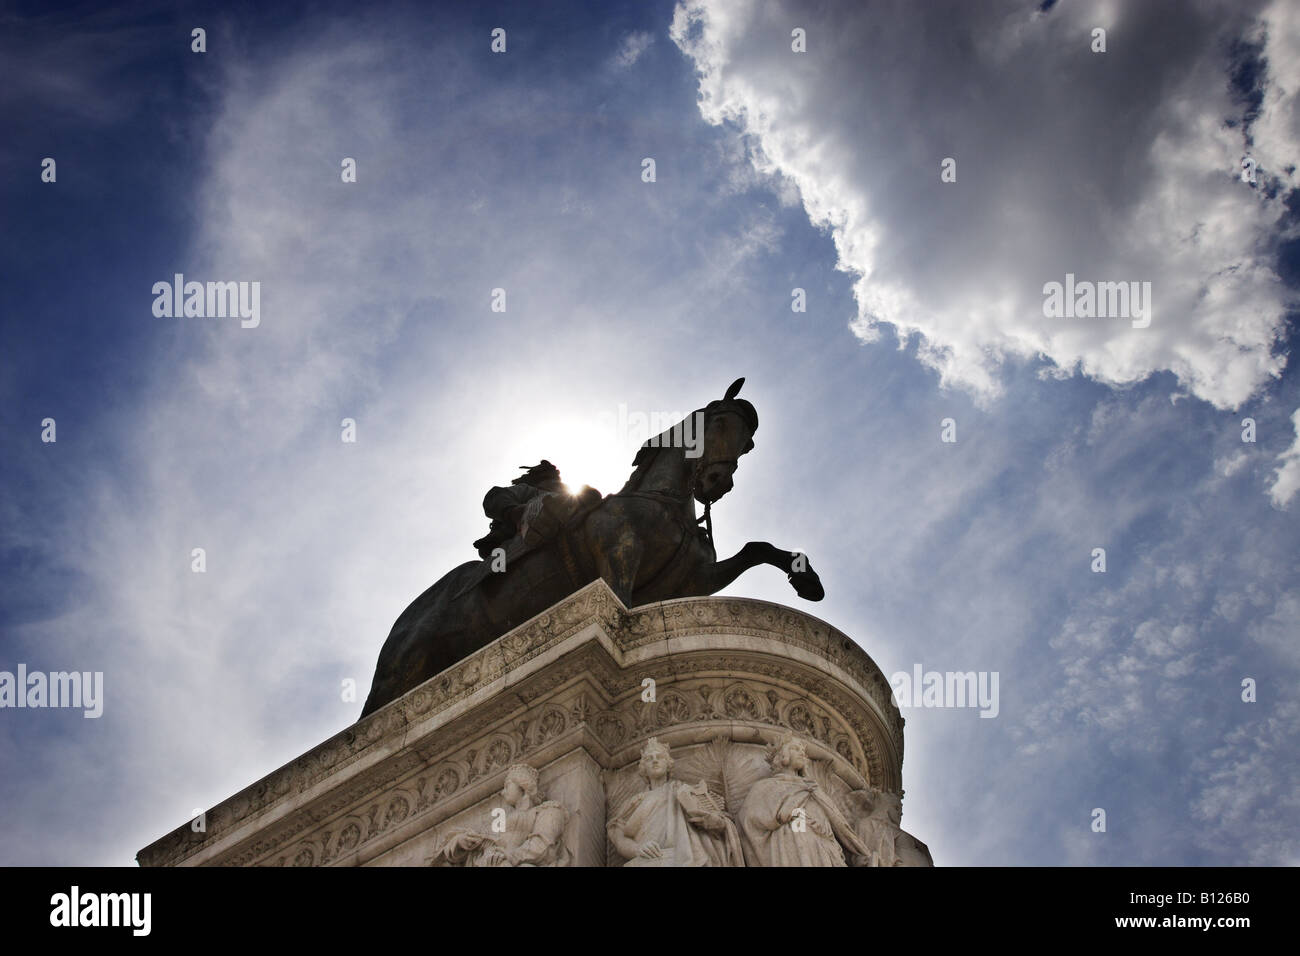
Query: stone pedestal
[[576, 694]]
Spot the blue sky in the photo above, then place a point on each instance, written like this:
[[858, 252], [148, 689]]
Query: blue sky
[[774, 170]]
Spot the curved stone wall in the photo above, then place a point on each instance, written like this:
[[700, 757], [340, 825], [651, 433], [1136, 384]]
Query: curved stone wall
[[576, 694]]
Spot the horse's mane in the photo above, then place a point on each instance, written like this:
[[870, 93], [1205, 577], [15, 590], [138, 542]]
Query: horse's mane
[[646, 454]]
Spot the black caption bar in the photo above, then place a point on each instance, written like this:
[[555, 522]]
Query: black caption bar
[[332, 906]]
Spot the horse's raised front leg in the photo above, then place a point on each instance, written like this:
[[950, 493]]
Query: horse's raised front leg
[[714, 577]]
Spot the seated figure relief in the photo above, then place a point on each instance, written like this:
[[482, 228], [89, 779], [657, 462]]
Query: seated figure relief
[[527, 831], [672, 823]]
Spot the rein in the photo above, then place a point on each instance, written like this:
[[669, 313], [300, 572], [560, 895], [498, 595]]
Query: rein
[[705, 519]]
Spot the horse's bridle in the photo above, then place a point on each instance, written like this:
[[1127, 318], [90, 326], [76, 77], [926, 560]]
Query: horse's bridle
[[707, 518], [702, 465]]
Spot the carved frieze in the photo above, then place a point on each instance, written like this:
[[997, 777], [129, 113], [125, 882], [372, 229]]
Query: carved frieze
[[750, 671]]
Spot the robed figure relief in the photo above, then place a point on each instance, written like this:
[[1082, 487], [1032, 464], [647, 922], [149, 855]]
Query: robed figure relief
[[527, 831], [672, 823], [879, 823], [788, 819]]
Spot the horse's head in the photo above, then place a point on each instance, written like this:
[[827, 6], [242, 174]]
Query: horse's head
[[729, 427]]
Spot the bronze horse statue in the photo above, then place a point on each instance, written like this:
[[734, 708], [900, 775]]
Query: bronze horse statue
[[645, 541]]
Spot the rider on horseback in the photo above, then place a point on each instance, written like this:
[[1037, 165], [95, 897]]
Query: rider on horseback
[[643, 542], [533, 507]]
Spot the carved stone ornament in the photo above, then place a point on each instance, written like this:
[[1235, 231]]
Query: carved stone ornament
[[527, 831], [563, 694], [673, 823], [789, 819], [877, 823]]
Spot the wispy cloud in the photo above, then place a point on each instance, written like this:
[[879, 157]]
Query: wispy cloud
[[633, 45]]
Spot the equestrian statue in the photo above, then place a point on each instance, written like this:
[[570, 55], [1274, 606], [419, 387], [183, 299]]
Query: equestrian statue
[[544, 544]]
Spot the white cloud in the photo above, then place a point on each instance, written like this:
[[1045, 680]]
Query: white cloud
[[1117, 166], [1287, 477], [1277, 128]]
